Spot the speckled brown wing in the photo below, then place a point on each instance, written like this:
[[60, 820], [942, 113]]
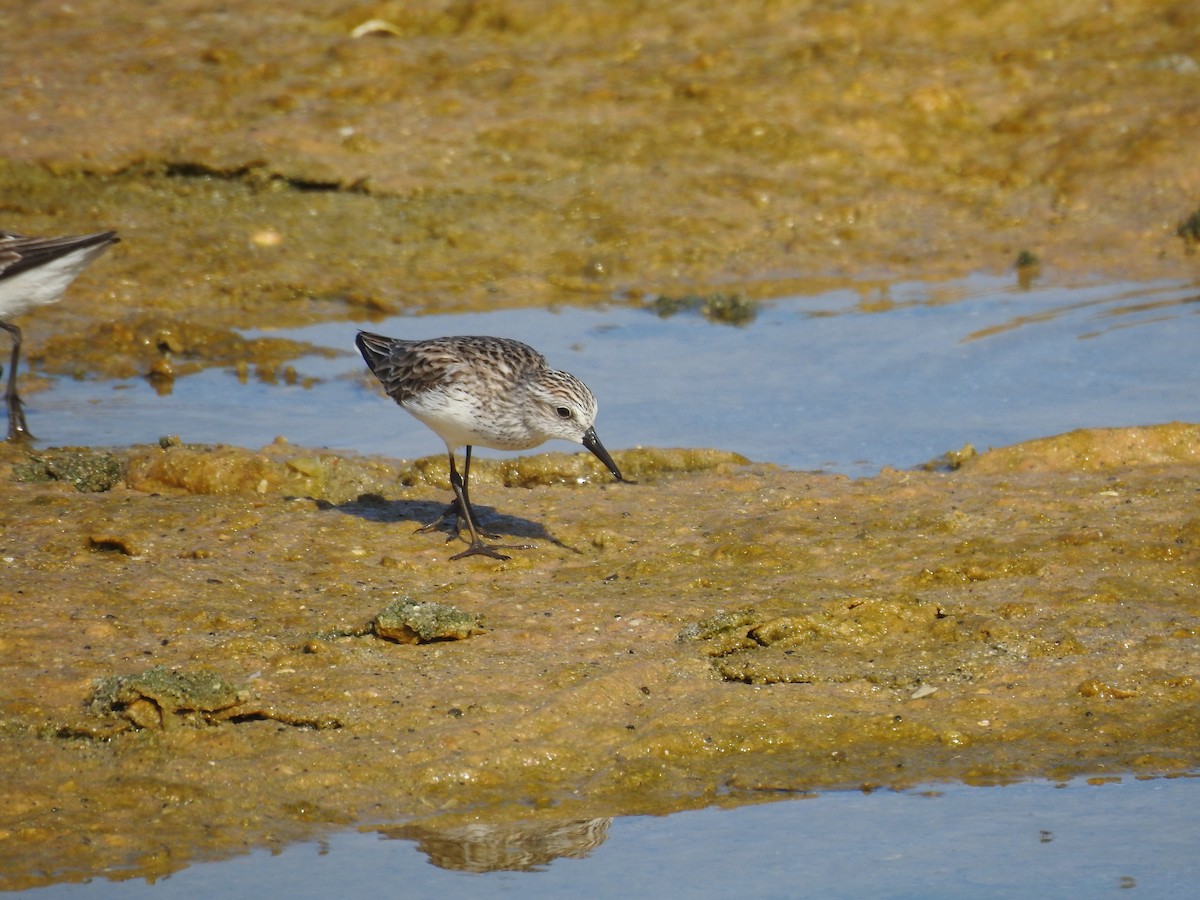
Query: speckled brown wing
[[409, 368]]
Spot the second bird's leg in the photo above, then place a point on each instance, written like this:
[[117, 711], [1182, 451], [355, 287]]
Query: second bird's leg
[[16, 415]]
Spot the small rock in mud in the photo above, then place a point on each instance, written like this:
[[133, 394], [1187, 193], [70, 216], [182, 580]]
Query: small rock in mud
[[409, 622], [723, 633], [721, 623]]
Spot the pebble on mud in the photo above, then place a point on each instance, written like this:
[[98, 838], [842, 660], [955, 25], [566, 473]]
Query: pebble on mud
[[409, 622], [1094, 687]]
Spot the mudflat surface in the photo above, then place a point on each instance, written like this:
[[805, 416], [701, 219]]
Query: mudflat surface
[[721, 632], [718, 633]]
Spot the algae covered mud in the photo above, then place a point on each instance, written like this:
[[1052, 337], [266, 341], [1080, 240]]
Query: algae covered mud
[[227, 649]]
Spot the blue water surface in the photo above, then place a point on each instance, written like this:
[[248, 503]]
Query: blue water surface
[[846, 381]]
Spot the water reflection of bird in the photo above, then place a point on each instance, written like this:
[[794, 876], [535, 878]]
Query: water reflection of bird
[[504, 847]]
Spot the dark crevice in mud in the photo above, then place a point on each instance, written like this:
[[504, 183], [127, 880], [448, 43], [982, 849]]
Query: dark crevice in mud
[[257, 175], [254, 174]]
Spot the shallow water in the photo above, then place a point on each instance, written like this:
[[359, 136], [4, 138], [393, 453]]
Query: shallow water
[[1034, 839], [845, 382]]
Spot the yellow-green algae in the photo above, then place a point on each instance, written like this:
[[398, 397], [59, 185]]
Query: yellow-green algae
[[1096, 449], [719, 633]]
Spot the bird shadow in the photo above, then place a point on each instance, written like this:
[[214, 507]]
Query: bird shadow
[[420, 513]]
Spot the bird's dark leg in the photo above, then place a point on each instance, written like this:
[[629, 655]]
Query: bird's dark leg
[[455, 509], [465, 484], [17, 429], [478, 547], [462, 511], [468, 515]]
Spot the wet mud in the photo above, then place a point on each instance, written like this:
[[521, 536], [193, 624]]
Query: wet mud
[[722, 632]]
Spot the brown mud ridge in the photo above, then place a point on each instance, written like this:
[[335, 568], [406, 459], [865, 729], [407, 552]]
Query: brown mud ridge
[[208, 649]]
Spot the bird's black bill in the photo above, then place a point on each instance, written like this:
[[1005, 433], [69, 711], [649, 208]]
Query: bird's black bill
[[593, 443]]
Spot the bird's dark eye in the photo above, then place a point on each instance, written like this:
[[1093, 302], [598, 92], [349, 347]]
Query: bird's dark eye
[[563, 412]]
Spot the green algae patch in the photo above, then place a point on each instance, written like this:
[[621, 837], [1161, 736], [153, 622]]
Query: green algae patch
[[161, 699], [901, 643], [894, 642], [720, 625], [411, 622], [723, 309], [88, 470]]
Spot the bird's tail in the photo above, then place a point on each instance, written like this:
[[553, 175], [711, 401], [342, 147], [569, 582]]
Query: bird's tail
[[375, 348]]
